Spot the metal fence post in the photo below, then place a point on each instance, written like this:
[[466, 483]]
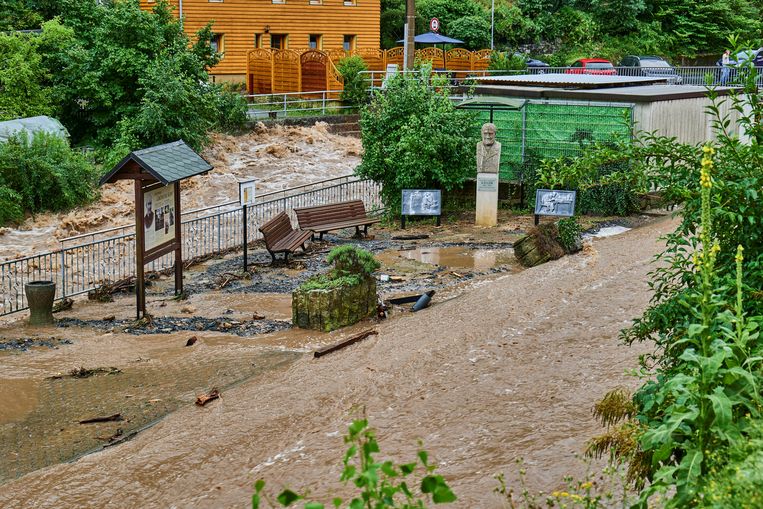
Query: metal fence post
[[63, 273]]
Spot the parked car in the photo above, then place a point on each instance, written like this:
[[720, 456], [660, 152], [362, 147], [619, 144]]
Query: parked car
[[651, 66], [597, 66]]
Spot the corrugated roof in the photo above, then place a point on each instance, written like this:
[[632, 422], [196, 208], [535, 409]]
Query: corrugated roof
[[570, 80], [167, 163]]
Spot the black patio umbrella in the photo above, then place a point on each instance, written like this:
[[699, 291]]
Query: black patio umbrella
[[435, 38]]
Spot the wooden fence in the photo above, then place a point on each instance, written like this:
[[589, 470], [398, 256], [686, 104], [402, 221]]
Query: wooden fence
[[272, 71]]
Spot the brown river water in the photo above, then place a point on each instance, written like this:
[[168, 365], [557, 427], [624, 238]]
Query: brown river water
[[508, 367], [278, 157]]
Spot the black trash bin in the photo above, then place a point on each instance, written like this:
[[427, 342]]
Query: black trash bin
[[39, 296]]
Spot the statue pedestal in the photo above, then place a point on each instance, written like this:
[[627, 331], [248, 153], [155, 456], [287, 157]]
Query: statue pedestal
[[487, 199]]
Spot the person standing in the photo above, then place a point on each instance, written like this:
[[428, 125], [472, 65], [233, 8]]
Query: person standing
[[725, 63]]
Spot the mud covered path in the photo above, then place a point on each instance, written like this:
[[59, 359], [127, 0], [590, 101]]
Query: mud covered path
[[509, 369]]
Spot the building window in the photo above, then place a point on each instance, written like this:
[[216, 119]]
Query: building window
[[315, 2], [349, 42], [219, 1], [217, 43], [279, 1], [278, 41], [350, 2], [315, 41]]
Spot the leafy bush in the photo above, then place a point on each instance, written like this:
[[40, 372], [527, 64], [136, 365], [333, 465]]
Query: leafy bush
[[350, 259], [382, 484], [355, 92], [43, 173], [607, 181], [413, 137], [351, 265], [505, 61], [569, 234]]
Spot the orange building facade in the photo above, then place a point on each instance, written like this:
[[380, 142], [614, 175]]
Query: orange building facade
[[243, 25]]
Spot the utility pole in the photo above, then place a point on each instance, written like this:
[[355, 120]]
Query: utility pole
[[492, 23], [410, 21]]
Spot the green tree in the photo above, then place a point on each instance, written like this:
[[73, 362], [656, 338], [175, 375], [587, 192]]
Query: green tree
[[413, 137], [355, 90], [22, 78], [473, 30]]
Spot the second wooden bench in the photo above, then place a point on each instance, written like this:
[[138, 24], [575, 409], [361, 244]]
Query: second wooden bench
[[335, 216]]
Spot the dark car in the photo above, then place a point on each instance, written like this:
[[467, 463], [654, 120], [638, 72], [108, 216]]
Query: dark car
[[651, 66], [597, 66]]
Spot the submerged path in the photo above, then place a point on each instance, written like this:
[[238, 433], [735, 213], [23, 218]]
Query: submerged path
[[510, 369]]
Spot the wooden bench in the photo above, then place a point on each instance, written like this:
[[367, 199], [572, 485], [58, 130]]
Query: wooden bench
[[280, 237], [335, 216]]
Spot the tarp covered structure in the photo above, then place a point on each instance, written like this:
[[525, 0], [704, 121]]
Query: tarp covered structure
[[32, 125], [531, 130]]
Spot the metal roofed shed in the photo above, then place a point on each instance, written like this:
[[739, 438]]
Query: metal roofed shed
[[678, 111], [166, 163], [32, 125]]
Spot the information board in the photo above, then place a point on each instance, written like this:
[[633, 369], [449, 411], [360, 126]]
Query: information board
[[246, 192], [159, 216], [554, 203], [422, 202]]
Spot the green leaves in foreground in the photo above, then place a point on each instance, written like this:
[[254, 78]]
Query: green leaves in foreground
[[381, 484]]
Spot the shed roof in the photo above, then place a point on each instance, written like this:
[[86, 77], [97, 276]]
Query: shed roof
[[167, 163], [495, 102], [32, 125], [578, 81], [635, 94]]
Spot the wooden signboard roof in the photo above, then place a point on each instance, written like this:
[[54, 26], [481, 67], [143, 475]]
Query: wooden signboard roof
[[167, 163]]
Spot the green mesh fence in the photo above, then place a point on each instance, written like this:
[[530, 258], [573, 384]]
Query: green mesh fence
[[553, 130]]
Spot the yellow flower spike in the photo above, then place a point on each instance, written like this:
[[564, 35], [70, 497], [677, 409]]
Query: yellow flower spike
[[707, 149], [739, 257], [715, 249]]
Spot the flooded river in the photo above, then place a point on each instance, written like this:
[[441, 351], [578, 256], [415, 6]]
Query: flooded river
[[278, 157], [509, 368]]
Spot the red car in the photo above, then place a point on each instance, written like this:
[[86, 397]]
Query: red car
[[592, 66]]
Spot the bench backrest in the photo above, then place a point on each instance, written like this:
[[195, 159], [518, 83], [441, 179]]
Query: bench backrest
[[276, 229], [331, 213]]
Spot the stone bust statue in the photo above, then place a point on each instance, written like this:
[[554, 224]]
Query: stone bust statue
[[488, 151]]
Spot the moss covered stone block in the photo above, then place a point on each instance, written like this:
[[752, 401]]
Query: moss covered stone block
[[333, 308]]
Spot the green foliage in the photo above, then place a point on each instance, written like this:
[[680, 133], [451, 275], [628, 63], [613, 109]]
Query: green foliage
[[607, 181], [351, 265], [22, 74], [117, 76], [413, 137], [355, 91], [473, 30], [349, 259], [569, 234], [507, 61], [381, 484], [42, 173], [701, 402]]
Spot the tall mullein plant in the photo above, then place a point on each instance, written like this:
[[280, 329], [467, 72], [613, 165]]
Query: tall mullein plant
[[701, 402]]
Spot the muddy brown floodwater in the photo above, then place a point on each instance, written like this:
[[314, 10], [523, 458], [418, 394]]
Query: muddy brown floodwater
[[278, 157], [507, 369]]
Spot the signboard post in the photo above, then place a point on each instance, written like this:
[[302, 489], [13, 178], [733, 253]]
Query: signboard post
[[246, 198], [554, 203], [157, 172], [421, 202]]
